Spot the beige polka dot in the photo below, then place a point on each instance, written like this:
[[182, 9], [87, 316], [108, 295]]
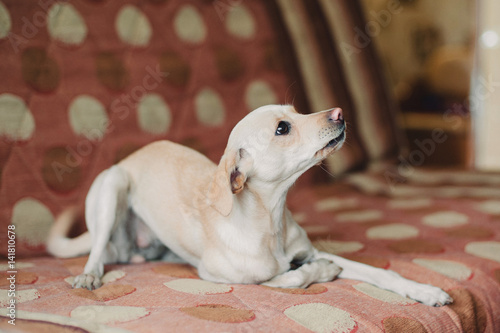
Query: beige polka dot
[[259, 93], [240, 22], [209, 107], [488, 250], [45, 322], [133, 26], [445, 219], [489, 207], [359, 216], [189, 25], [383, 295], [32, 220], [448, 268], [330, 204], [320, 317], [16, 120], [21, 296], [107, 314], [88, 117], [392, 231], [337, 247], [409, 203], [5, 21], [198, 287], [65, 24], [154, 115]]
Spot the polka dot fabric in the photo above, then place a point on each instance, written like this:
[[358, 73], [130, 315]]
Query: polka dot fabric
[[461, 257], [86, 83]]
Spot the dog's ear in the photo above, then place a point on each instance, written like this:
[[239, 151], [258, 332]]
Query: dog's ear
[[229, 180]]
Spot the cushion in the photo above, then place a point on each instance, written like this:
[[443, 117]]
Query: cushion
[[452, 244]]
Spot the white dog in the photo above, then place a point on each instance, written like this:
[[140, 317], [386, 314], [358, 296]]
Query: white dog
[[229, 221]]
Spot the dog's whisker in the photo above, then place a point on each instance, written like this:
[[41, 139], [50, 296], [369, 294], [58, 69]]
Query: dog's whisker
[[287, 93], [325, 168]]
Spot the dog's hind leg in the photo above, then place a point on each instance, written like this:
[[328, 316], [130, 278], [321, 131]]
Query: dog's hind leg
[[106, 210]]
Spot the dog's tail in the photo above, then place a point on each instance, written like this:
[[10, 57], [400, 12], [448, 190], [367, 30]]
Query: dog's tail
[[59, 245]]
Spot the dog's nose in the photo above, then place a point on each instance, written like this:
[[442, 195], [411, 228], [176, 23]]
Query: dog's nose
[[336, 115]]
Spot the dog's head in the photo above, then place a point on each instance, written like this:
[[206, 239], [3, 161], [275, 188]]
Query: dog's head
[[274, 145]]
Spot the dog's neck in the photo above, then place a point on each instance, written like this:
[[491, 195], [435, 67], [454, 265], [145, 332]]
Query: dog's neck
[[271, 199]]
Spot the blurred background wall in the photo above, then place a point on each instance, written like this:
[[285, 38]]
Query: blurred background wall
[[427, 48], [486, 87]]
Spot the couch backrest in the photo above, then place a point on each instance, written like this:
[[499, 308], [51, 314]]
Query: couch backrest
[[86, 83], [340, 66]]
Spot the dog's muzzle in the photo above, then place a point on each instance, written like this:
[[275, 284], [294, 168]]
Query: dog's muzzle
[[335, 141], [335, 131]]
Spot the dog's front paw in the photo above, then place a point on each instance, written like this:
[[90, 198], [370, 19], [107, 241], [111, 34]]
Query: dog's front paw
[[429, 295], [321, 270], [87, 281], [328, 271]]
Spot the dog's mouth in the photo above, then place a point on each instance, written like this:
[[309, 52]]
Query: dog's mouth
[[335, 141], [330, 146]]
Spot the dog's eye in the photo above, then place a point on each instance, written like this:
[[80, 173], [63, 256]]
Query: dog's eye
[[283, 128]]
